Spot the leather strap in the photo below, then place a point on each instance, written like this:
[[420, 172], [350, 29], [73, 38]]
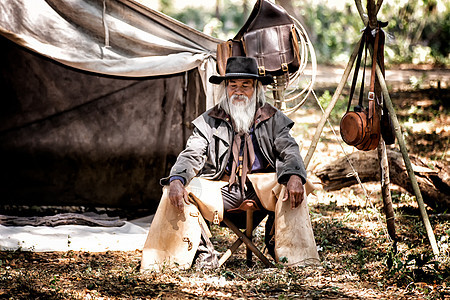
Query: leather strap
[[373, 75], [361, 91], [374, 63], [363, 44], [355, 73]]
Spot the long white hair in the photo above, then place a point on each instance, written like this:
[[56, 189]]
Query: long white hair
[[242, 113]]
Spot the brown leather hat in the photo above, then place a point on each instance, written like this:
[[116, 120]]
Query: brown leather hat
[[241, 67]]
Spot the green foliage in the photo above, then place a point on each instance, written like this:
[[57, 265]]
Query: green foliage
[[339, 108], [54, 283], [224, 26], [166, 6], [191, 17], [410, 266], [333, 32], [418, 31]]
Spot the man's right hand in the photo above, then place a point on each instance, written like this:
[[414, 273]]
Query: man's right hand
[[177, 193]]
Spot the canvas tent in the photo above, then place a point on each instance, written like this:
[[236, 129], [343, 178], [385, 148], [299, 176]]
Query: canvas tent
[[97, 99]]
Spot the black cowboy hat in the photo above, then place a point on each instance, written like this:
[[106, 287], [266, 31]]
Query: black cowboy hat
[[241, 67]]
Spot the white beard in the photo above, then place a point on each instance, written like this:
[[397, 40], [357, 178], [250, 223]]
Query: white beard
[[242, 113]]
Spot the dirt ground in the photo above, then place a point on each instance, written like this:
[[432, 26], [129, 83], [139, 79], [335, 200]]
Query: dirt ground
[[358, 259]]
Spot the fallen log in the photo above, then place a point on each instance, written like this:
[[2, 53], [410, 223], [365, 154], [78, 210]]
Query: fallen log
[[433, 178]]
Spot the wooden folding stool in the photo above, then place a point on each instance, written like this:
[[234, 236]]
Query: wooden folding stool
[[249, 206]]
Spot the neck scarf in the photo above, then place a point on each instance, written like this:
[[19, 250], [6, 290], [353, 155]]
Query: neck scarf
[[242, 160]]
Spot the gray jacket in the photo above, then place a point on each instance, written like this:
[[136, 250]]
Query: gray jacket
[[208, 149]]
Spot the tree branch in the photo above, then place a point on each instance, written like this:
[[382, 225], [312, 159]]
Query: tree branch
[[379, 3], [372, 12], [361, 11]]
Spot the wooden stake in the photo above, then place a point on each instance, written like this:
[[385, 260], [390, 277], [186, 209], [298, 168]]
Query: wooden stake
[[408, 165], [373, 10], [386, 189]]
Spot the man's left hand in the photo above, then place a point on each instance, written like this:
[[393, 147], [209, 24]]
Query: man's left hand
[[294, 191]]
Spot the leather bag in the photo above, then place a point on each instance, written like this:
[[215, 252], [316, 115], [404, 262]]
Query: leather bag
[[275, 49], [361, 127], [226, 50], [269, 35], [387, 127]]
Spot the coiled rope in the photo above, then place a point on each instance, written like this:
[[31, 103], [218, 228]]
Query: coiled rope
[[290, 85]]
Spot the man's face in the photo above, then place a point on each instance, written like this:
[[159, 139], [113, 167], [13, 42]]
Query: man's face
[[240, 90]]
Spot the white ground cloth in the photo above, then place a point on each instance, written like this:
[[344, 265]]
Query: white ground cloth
[[129, 237]]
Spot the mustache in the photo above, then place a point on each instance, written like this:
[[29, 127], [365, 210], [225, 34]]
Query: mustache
[[239, 97]]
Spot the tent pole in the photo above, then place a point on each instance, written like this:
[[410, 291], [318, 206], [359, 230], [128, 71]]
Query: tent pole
[[371, 20], [330, 106], [372, 11], [409, 169], [386, 190]]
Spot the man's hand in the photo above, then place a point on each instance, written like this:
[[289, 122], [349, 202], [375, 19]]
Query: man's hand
[[294, 191], [177, 193]]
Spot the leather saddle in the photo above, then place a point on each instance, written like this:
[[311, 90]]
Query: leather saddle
[[269, 35]]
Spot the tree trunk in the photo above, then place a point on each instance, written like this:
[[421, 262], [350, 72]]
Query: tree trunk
[[218, 9], [434, 183]]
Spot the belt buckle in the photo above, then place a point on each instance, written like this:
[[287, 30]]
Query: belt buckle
[[262, 70]]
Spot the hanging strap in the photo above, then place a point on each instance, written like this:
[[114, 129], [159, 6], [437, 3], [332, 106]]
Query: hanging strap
[[371, 95], [361, 91], [363, 44], [355, 73]]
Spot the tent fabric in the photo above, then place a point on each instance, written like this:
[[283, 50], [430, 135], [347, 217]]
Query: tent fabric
[[74, 138], [112, 37], [140, 42], [95, 119]]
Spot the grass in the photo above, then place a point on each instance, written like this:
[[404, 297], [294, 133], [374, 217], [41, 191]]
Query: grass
[[358, 259]]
